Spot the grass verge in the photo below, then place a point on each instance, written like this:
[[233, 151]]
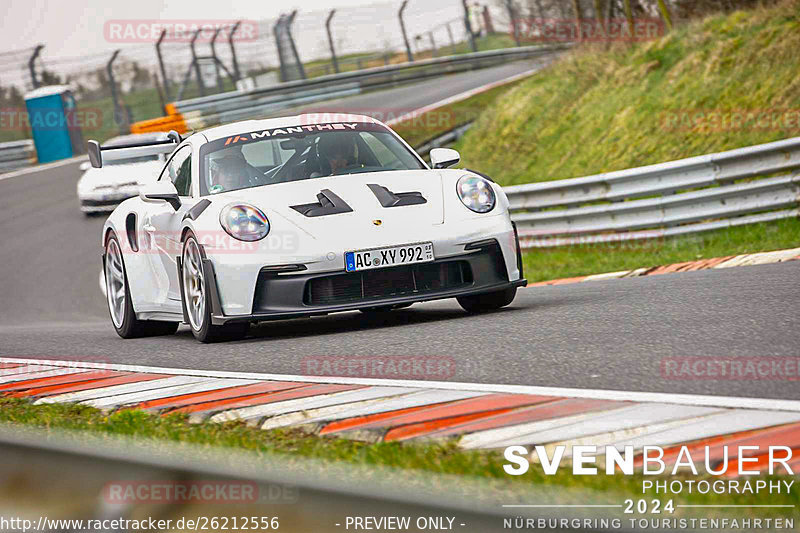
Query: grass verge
[[433, 457], [716, 84], [568, 261]]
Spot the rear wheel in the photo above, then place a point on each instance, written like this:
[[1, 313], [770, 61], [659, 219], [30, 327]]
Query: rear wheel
[[120, 304], [490, 301], [196, 300]]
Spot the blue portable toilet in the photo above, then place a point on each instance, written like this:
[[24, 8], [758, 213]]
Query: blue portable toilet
[[54, 125]]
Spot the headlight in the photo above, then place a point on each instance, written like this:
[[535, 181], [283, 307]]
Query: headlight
[[244, 222], [476, 193]]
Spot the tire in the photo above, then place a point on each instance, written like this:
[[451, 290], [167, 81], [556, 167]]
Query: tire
[[120, 304], [196, 303], [490, 301]]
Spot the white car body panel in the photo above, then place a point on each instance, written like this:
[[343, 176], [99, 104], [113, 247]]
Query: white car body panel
[[318, 243]]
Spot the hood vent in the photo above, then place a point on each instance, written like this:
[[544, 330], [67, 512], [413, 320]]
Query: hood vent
[[327, 204], [388, 198]]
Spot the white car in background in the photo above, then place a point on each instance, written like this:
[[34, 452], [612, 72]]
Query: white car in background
[[300, 216], [100, 190]]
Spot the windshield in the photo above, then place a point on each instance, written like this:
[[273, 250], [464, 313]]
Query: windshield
[[298, 153]]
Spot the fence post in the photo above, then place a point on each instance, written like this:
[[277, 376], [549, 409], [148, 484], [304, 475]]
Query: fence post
[[236, 73], [276, 30], [433, 44], [468, 27], [32, 65], [161, 96], [409, 55], [289, 22], [164, 80], [452, 40], [118, 113], [330, 40], [216, 60], [198, 74]]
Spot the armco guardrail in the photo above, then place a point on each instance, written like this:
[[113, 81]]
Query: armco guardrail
[[113, 479], [16, 154], [226, 107], [690, 195]]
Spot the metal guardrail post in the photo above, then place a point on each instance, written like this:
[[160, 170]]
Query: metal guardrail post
[[237, 74], [32, 65], [330, 40], [409, 54], [164, 80], [200, 84]]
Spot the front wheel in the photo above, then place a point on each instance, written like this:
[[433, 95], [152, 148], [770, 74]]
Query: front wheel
[[120, 304], [490, 301], [196, 302]]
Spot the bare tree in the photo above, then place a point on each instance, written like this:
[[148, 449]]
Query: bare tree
[[576, 8], [662, 7]]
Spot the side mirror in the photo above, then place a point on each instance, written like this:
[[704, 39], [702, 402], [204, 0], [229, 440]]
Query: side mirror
[[160, 191], [444, 157], [86, 165], [93, 149]]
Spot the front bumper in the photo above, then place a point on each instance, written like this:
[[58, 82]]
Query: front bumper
[[280, 296]]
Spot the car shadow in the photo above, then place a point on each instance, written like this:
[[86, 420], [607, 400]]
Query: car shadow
[[355, 321], [349, 322]]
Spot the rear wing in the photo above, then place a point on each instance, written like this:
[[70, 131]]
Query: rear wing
[[98, 154]]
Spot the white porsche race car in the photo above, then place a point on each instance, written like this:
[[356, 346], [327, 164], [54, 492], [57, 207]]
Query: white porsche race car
[[300, 216], [102, 189]]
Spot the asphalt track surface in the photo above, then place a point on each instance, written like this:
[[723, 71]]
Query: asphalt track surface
[[613, 334]]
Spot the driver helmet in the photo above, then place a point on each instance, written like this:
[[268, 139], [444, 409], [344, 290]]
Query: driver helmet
[[227, 173], [337, 145]]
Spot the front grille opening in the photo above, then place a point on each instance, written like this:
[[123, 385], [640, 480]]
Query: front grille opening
[[387, 283]]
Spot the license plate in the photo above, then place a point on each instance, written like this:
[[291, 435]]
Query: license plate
[[421, 252]]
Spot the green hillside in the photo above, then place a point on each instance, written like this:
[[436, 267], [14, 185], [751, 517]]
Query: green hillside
[[716, 84]]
